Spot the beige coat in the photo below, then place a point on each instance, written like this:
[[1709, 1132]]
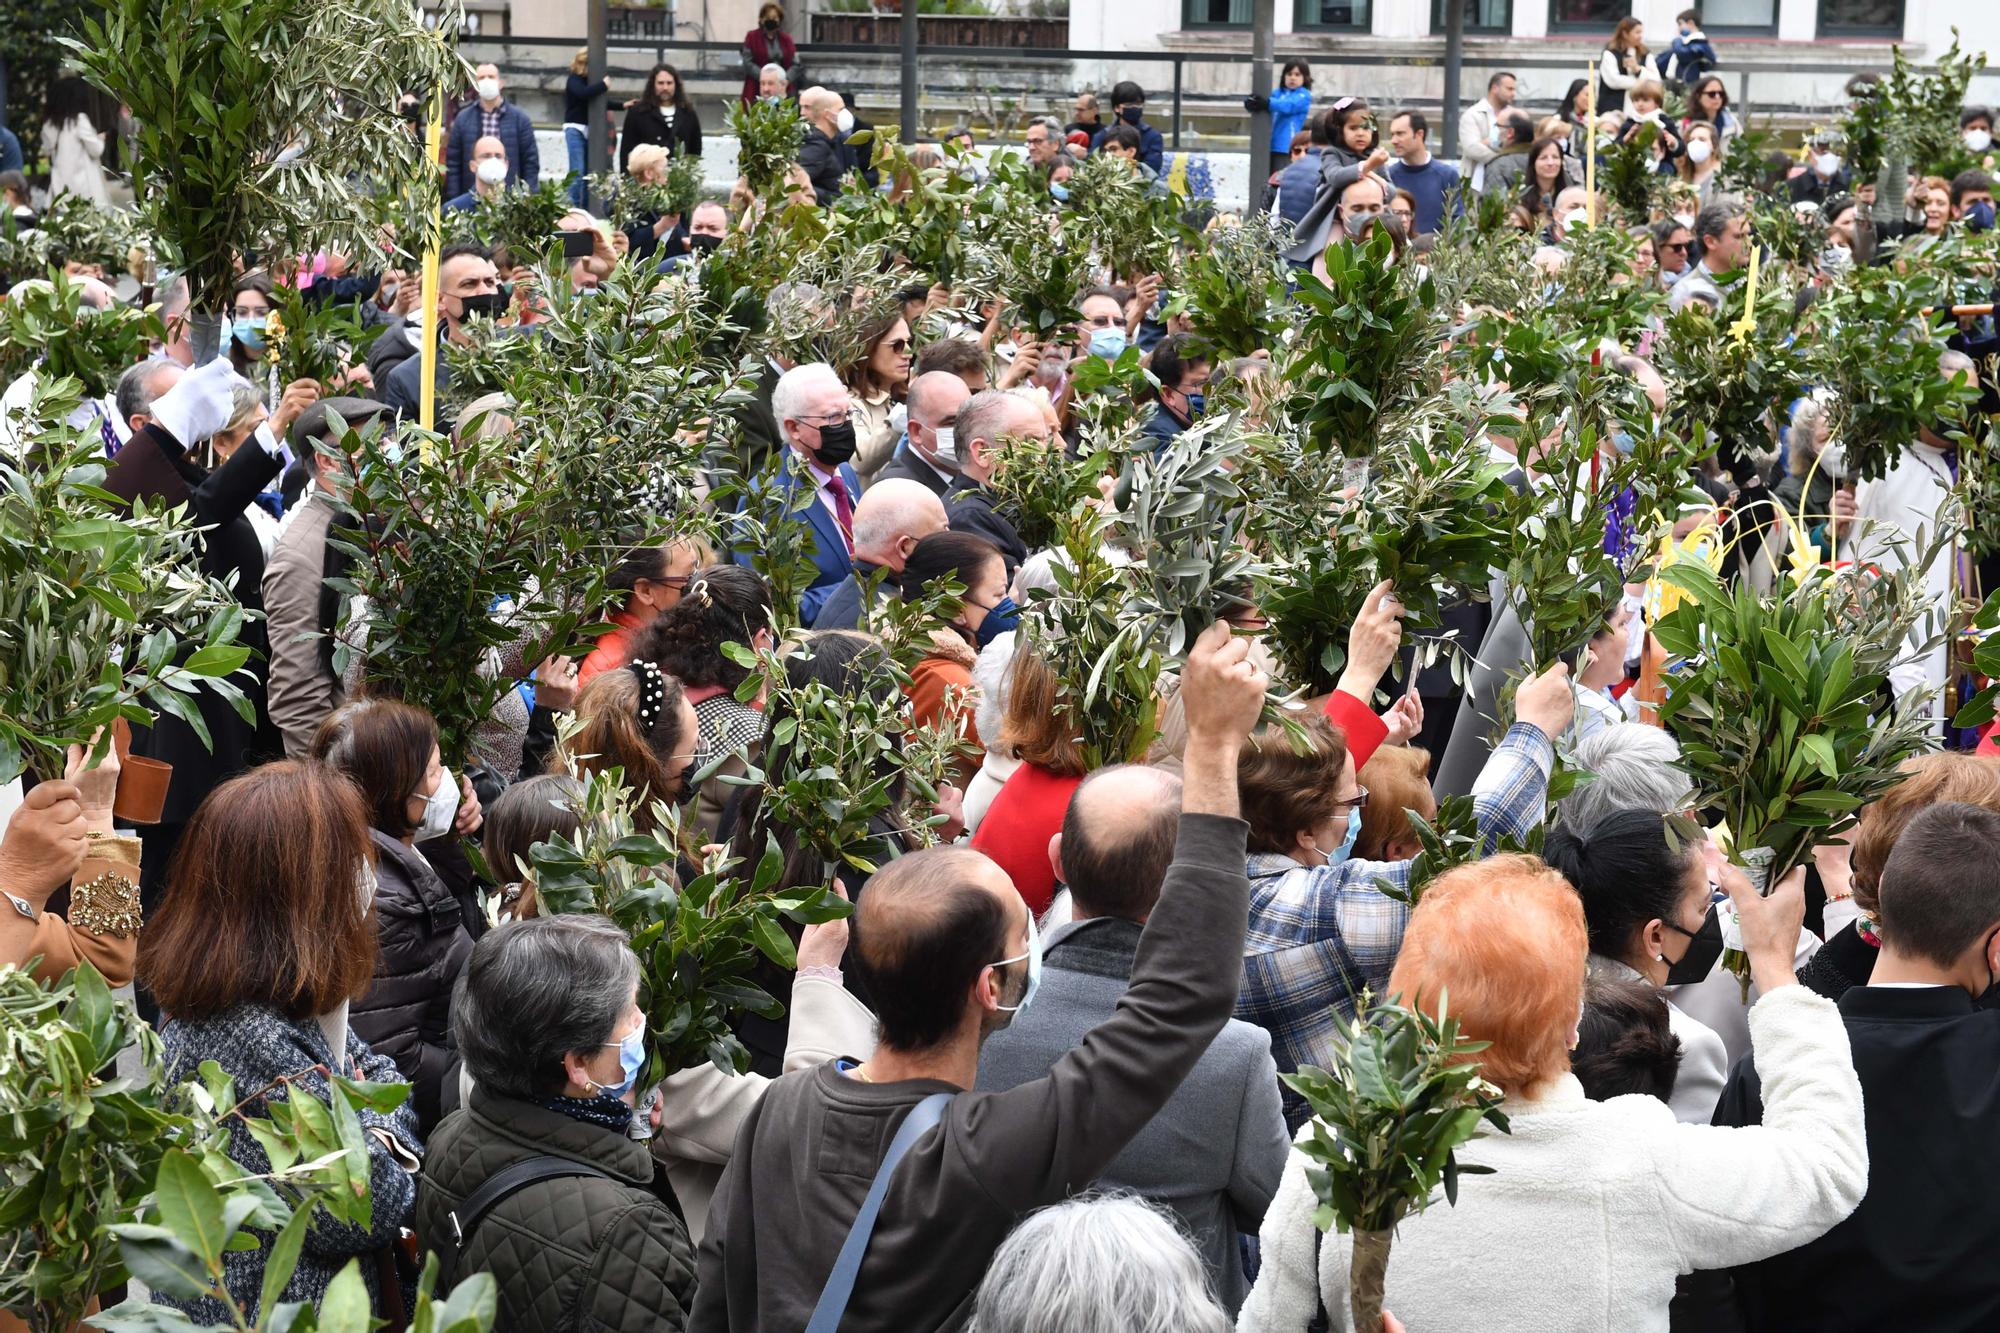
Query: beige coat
[[302, 690]]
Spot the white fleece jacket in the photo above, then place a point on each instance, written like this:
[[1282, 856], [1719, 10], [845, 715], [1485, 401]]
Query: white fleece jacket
[[1594, 1207]]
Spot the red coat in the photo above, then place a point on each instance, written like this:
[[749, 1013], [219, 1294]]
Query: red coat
[[757, 49]]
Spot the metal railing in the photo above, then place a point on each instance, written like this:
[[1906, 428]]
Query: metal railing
[[713, 60]]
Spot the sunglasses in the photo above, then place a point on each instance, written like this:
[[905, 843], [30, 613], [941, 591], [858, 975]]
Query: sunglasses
[[1360, 802], [899, 345], [1673, 245]]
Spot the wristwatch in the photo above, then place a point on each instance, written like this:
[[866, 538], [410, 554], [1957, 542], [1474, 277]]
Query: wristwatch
[[24, 907]]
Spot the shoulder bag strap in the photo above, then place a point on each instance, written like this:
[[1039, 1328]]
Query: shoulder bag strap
[[509, 1179], [839, 1287]]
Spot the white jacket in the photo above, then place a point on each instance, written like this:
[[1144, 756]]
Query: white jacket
[[1704, 1065], [75, 152], [1595, 1207], [1475, 140], [704, 1107], [1895, 510]]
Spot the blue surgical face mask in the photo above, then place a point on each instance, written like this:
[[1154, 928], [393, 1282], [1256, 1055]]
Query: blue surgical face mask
[[1059, 192], [631, 1056], [1107, 343], [1339, 855], [250, 331], [1001, 617], [1034, 957], [1621, 440], [1195, 402], [1979, 217]]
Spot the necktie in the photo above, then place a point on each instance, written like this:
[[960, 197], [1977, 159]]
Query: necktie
[[843, 509]]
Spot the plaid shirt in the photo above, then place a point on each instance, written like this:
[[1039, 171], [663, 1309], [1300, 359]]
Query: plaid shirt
[[489, 121], [1320, 935]]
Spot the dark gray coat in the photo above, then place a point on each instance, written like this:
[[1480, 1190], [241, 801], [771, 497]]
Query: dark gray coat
[[1214, 1152]]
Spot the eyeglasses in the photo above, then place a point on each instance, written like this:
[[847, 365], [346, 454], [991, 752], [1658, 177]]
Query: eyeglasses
[[899, 345], [1359, 801], [1674, 245], [1715, 92], [821, 421]]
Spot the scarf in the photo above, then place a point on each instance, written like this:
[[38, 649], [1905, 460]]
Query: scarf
[[603, 1110]]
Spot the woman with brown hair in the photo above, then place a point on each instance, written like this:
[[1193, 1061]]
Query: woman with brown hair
[[648, 582], [878, 381], [639, 720], [941, 691], [1398, 781], [262, 940], [531, 811], [389, 751], [1622, 64], [1852, 871], [1030, 806]]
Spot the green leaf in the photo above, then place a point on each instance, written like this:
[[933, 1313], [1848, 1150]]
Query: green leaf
[[344, 1308], [283, 1258], [190, 1206]]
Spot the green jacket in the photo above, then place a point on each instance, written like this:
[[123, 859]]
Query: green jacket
[[576, 1253]]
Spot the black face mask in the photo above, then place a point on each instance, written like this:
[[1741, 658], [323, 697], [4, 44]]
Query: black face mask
[[770, 25], [486, 305], [704, 245], [836, 444], [1704, 947], [1131, 114]]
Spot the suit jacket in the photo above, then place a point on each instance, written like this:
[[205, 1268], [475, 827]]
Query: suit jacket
[[304, 689], [823, 161], [524, 159], [1917, 1254], [842, 607], [968, 507], [1215, 1152], [905, 465], [830, 555], [757, 425]]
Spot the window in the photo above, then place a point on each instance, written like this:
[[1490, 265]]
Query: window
[[1351, 14], [1215, 13], [1596, 16], [1739, 16], [1480, 16], [1861, 18]]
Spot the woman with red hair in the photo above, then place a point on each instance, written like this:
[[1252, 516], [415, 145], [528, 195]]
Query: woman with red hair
[[1594, 1207]]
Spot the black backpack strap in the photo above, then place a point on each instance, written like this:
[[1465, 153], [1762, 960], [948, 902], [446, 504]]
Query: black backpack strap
[[509, 1179]]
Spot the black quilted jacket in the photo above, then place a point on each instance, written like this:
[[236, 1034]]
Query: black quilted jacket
[[406, 1014], [578, 1253]]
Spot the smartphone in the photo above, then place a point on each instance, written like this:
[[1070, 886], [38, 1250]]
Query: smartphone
[[577, 245]]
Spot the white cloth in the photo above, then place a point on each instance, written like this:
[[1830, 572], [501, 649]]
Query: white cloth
[[1895, 510], [985, 785], [1475, 140], [1595, 1207], [75, 153]]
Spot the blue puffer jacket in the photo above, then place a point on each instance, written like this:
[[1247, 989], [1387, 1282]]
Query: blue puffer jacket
[[1288, 116]]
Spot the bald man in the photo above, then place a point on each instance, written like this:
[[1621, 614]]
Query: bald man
[[948, 953], [928, 454], [893, 516], [819, 150], [1116, 843]]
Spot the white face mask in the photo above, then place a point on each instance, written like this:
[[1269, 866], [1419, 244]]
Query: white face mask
[[1685, 219], [440, 809], [1827, 164], [1699, 151], [489, 90], [945, 444], [1978, 141], [844, 122], [492, 170]]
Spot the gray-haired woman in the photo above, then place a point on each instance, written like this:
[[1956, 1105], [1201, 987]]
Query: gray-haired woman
[[1108, 1264], [547, 1020]]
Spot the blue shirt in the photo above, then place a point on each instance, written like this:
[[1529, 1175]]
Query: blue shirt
[[1288, 116], [1432, 184], [10, 150]]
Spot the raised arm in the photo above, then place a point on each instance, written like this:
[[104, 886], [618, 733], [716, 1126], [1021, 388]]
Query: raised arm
[[1058, 1133]]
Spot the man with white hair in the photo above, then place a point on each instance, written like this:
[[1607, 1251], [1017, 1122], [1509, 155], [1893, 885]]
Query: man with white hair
[[813, 413], [928, 454], [893, 516], [140, 386], [983, 423], [819, 152], [772, 82]]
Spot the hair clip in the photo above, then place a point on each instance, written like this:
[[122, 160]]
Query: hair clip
[[697, 593], [652, 691]]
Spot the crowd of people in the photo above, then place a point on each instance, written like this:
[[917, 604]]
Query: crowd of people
[[1035, 1080]]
